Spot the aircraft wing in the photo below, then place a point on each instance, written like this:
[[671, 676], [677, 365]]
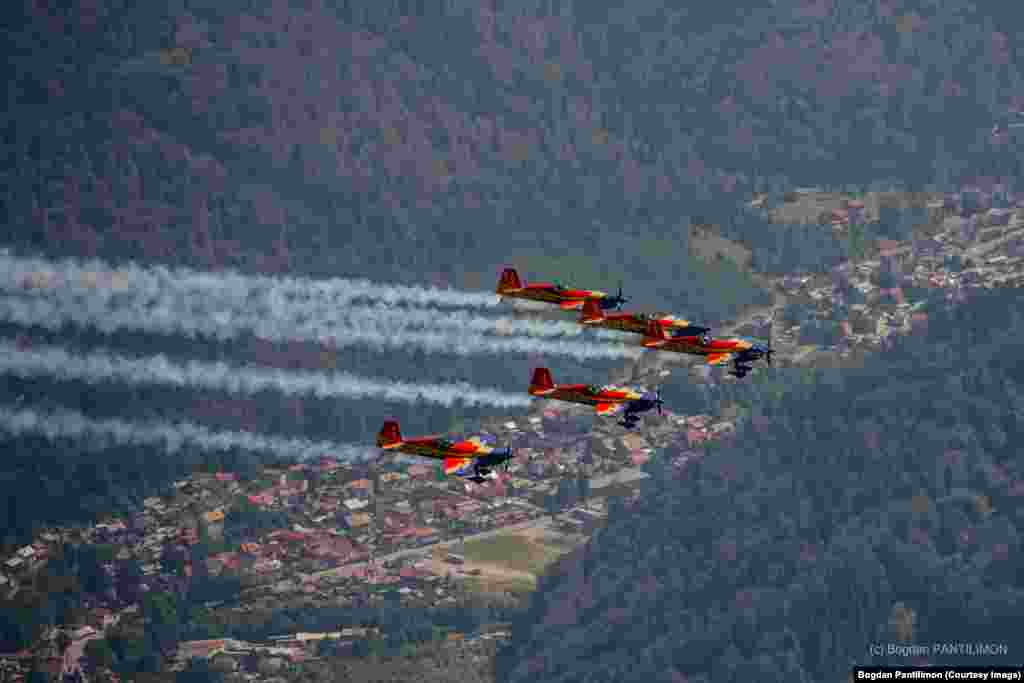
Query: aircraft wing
[[607, 408], [422, 448], [439, 449], [719, 358], [570, 305], [452, 465]]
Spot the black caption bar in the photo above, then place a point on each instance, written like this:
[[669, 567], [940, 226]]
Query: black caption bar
[[938, 673]]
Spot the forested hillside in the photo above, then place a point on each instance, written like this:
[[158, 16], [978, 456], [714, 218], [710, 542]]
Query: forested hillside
[[327, 143], [879, 504], [432, 143], [345, 140]]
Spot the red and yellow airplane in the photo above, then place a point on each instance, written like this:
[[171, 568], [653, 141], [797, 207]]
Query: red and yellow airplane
[[471, 459], [718, 350], [607, 400], [636, 323], [555, 293]]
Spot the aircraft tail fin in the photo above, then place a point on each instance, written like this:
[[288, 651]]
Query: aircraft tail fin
[[592, 312], [509, 280], [390, 435], [542, 381]]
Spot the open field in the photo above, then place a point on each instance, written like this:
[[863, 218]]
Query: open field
[[515, 552], [505, 563]]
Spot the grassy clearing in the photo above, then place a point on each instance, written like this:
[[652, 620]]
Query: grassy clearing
[[512, 551]]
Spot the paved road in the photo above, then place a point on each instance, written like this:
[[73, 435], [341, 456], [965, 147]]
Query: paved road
[[620, 477], [1013, 232], [409, 552]]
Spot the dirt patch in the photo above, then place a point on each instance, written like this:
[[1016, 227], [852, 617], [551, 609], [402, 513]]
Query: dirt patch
[[487, 576], [506, 562]]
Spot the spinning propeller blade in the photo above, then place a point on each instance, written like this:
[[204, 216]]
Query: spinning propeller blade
[[619, 299]]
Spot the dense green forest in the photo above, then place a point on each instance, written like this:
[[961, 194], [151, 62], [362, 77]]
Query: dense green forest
[[851, 500], [559, 147]]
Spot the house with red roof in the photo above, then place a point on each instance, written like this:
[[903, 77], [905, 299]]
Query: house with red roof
[[394, 521], [202, 649], [285, 535], [265, 566], [329, 546], [698, 421], [696, 436], [328, 464], [328, 503], [262, 499], [420, 471], [101, 617], [228, 561]]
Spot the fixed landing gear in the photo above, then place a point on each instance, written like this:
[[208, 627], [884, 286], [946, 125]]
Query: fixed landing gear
[[629, 421], [740, 371]]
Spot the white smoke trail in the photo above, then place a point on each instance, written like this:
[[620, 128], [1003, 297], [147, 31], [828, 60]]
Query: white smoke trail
[[406, 318], [97, 314], [172, 437], [185, 283], [71, 284], [106, 367]]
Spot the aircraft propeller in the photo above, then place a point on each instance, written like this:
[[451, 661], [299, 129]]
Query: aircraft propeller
[[619, 299], [771, 328], [658, 403]]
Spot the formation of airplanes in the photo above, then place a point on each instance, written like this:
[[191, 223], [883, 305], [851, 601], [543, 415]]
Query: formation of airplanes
[[475, 461]]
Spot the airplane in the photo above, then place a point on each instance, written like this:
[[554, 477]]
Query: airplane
[[636, 323], [607, 400], [471, 459], [718, 350], [555, 293]]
